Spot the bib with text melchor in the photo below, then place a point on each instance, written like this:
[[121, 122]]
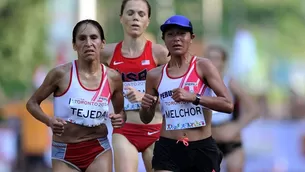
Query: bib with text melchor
[[138, 85], [88, 113], [182, 115]]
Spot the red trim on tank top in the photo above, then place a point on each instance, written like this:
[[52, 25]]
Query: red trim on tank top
[[102, 89], [67, 89], [109, 98], [201, 79], [166, 70], [80, 83], [104, 80], [110, 91], [184, 79], [203, 90]]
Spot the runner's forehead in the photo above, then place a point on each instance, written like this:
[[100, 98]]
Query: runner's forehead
[[87, 29], [136, 5]]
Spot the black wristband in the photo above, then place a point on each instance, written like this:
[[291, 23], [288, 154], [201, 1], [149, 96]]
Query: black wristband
[[197, 100]]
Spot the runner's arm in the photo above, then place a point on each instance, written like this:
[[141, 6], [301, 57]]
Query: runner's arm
[[107, 53], [147, 115], [160, 54], [223, 101], [117, 97], [248, 106], [49, 86]]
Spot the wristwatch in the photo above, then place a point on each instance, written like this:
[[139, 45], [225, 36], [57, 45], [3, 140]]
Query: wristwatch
[[197, 100]]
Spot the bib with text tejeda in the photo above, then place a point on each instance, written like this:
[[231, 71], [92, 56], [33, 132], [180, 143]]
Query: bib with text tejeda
[[182, 115], [83, 106]]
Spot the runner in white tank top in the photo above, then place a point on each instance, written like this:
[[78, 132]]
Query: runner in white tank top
[[226, 128], [82, 91], [183, 86]]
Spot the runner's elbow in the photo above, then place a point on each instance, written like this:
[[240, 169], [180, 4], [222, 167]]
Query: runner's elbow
[[226, 107], [145, 118], [29, 105]]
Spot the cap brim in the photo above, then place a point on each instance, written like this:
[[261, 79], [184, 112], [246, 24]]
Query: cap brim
[[165, 27]]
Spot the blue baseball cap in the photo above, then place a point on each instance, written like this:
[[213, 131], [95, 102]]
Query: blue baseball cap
[[177, 20]]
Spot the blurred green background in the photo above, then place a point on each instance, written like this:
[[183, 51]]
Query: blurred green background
[[276, 25]]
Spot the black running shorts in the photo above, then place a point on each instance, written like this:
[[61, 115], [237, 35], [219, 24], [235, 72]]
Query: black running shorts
[[198, 156]]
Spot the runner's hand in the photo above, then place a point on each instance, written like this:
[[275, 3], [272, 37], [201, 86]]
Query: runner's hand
[[57, 125], [181, 95], [133, 95], [148, 101], [117, 120]]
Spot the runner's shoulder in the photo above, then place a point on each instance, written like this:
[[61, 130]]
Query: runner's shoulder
[[61, 70], [155, 73], [113, 74]]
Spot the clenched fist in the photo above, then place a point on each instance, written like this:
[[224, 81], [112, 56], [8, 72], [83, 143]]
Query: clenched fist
[[57, 125], [149, 101], [117, 120], [133, 95], [181, 95]]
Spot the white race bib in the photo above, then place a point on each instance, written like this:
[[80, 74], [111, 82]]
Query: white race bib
[[183, 115], [88, 113], [138, 85]]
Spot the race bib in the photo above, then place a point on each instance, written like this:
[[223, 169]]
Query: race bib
[[182, 115], [138, 85], [88, 113]]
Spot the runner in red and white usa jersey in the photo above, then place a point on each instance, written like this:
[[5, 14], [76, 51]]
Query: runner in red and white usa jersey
[[183, 86], [133, 58], [82, 91]]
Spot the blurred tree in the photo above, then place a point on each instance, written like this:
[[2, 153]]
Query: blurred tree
[[193, 10], [22, 46], [277, 24]]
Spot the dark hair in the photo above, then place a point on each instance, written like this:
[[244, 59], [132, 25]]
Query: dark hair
[[125, 2], [88, 21], [219, 49]]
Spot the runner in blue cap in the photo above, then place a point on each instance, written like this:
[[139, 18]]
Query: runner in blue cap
[[184, 86]]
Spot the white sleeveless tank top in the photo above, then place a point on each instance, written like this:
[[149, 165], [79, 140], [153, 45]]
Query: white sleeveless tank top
[[182, 115], [219, 118], [83, 106]]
